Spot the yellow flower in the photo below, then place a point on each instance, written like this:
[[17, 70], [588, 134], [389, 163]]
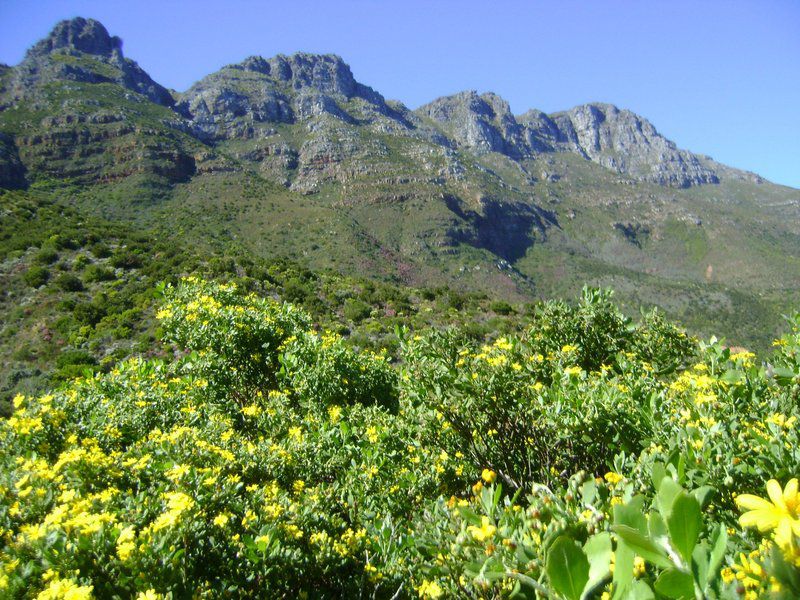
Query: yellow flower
[[222, 519], [335, 413], [484, 532], [613, 478], [126, 543], [639, 567], [296, 434], [150, 594], [488, 476], [372, 434], [65, 589], [780, 515], [430, 590]]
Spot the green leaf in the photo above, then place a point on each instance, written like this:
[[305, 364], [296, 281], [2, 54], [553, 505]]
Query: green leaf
[[631, 514], [589, 491], [598, 551], [668, 490], [732, 376], [675, 584], [657, 527], [659, 472], [623, 570], [703, 494], [700, 561], [719, 542], [783, 375], [567, 568], [640, 591], [684, 523], [643, 546]]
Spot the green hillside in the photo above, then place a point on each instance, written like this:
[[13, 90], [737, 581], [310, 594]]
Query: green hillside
[[292, 157]]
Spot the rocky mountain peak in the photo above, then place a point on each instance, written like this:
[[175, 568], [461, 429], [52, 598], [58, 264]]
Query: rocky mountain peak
[[625, 142], [281, 89], [302, 71], [81, 35], [82, 50], [480, 122], [326, 73]]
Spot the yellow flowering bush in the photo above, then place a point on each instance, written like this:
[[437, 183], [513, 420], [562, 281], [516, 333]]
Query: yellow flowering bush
[[580, 459]]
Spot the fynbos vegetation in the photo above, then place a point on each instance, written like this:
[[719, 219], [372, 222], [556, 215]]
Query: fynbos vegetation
[[586, 457]]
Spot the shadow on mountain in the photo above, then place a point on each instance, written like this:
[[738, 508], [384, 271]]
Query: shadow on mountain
[[506, 229]]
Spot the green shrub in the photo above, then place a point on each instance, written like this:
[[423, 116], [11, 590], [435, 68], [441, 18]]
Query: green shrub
[[36, 276], [236, 340], [261, 459], [355, 310], [46, 256], [100, 250], [88, 313], [501, 307], [69, 282], [95, 272], [123, 259], [322, 370]]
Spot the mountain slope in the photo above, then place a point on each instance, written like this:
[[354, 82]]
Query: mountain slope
[[292, 156]]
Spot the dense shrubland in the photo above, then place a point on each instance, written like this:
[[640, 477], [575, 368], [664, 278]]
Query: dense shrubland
[[78, 294], [587, 456]]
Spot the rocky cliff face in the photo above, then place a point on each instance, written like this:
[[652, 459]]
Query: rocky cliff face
[[616, 139], [303, 119], [76, 108], [481, 123], [232, 102], [626, 143]]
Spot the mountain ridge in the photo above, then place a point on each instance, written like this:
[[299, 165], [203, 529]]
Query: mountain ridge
[[615, 138], [293, 156]]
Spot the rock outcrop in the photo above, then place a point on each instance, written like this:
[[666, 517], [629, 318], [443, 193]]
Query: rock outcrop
[[628, 144], [616, 139], [303, 115], [232, 102], [481, 123], [82, 50]]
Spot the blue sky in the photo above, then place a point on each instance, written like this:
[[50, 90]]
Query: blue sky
[[718, 77]]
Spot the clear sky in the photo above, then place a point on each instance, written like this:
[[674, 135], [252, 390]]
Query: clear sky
[[719, 77]]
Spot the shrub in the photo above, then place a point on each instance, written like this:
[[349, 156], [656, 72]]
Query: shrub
[[501, 307], [125, 260], [265, 460], [100, 250], [69, 282], [46, 256], [88, 313], [94, 273], [355, 310], [36, 276], [236, 339], [321, 369]]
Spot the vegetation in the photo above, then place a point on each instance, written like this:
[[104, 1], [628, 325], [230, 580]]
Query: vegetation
[[204, 396], [110, 315], [586, 456]]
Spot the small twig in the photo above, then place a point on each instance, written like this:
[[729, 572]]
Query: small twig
[[397, 593]]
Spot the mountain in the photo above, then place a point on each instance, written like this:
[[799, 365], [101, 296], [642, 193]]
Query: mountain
[[293, 156]]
